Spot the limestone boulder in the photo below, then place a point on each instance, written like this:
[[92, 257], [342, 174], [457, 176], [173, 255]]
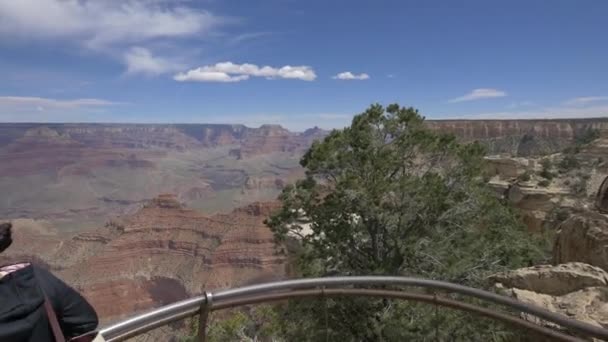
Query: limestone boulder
[[589, 305], [583, 238], [505, 167], [534, 198], [576, 290], [553, 280]]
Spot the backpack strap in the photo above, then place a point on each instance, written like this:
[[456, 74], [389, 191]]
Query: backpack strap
[[57, 333]]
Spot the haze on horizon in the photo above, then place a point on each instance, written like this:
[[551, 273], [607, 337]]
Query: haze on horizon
[[299, 63]]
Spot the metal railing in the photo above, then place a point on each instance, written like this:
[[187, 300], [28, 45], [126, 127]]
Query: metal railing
[[347, 286]]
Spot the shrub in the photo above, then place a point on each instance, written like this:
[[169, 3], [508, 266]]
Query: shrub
[[579, 187], [524, 177], [587, 137], [569, 162], [544, 183], [546, 174]]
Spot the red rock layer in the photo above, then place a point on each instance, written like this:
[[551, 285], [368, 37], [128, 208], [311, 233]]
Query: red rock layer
[[163, 252]]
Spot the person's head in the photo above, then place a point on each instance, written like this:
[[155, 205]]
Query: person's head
[[5, 236]]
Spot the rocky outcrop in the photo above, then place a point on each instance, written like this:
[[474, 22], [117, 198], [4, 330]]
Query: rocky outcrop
[[601, 198], [164, 201], [264, 182], [596, 149], [507, 168], [584, 238], [534, 203], [273, 138], [576, 290], [529, 198], [161, 253], [553, 280]]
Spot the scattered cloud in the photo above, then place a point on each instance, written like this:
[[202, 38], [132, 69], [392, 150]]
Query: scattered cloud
[[347, 75], [230, 72], [478, 94], [99, 23], [140, 60], [390, 76], [41, 103], [116, 29], [247, 37], [581, 101]]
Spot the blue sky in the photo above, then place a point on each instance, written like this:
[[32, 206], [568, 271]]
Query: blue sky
[[299, 63]]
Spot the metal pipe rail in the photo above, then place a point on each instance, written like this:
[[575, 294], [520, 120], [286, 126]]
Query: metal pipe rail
[[430, 299], [191, 307]]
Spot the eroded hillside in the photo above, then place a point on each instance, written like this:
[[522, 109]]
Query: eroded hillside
[[162, 253]]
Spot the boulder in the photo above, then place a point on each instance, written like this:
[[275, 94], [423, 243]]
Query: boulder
[[553, 280], [534, 198], [583, 238], [505, 167], [534, 219], [589, 305], [576, 290]]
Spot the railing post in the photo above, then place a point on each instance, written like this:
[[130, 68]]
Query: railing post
[[203, 316], [436, 314]]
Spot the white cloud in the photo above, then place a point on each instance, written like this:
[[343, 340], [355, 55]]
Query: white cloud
[[140, 60], [99, 23], [347, 75], [110, 27], [230, 72], [581, 101], [480, 93], [42, 103], [197, 75]]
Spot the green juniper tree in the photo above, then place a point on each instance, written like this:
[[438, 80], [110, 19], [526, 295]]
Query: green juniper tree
[[387, 196]]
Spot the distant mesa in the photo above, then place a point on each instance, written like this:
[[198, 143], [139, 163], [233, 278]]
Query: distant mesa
[[314, 132], [42, 132], [517, 137]]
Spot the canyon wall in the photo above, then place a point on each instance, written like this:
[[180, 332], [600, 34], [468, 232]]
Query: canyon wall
[[162, 253], [516, 137], [521, 137]]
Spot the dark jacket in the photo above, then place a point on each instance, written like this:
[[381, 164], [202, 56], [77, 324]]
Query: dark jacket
[[22, 314]]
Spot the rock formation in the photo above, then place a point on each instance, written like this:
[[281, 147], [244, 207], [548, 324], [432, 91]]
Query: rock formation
[[521, 137], [274, 138], [265, 139], [162, 253], [576, 290], [552, 280], [264, 182], [584, 238]]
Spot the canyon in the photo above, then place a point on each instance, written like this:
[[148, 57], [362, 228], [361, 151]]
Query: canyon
[[162, 253], [136, 215]]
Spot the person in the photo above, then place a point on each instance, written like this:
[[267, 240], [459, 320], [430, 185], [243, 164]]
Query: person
[[23, 289]]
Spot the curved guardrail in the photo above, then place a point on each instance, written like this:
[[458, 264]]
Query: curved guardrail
[[202, 305]]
